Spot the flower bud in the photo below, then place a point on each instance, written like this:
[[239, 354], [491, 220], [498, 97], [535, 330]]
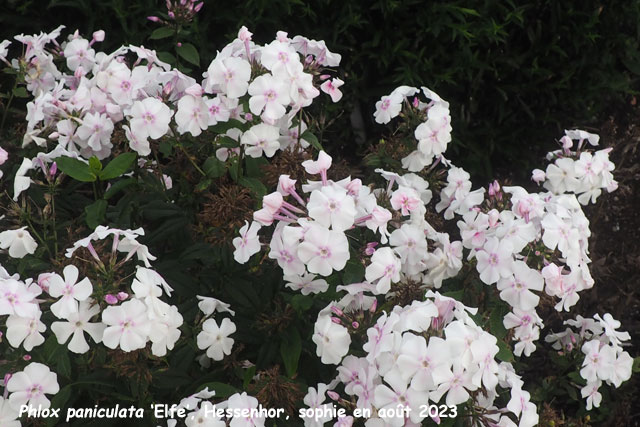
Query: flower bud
[[98, 35], [122, 296], [337, 310], [3, 155], [333, 395], [26, 357], [111, 299], [153, 18], [538, 176], [53, 169]]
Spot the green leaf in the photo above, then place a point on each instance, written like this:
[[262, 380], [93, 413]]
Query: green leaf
[[189, 53], [64, 364], [118, 186], [95, 164], [504, 353], [204, 184], [353, 272], [166, 57], [495, 322], [222, 127], [253, 184], [117, 166], [301, 303], [214, 168], [95, 213], [311, 139], [253, 166], [76, 169], [20, 92], [58, 401], [226, 142], [290, 349], [161, 33], [222, 390]]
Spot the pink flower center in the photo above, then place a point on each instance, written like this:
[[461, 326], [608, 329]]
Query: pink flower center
[[324, 252], [270, 95], [493, 260]]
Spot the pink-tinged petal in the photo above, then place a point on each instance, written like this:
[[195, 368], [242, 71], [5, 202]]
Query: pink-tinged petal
[[62, 330], [95, 330], [19, 381], [132, 341], [111, 337], [82, 290], [49, 383], [56, 286], [40, 401], [113, 315], [78, 343], [18, 399], [70, 274]]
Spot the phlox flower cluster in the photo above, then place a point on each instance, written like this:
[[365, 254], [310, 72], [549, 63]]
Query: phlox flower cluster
[[238, 410], [520, 242], [601, 344], [81, 97], [428, 352], [434, 131], [581, 172]]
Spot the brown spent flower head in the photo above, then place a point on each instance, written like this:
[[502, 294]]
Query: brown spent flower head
[[276, 391], [224, 213]]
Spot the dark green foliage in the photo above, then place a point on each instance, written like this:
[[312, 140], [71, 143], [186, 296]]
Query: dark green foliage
[[514, 73]]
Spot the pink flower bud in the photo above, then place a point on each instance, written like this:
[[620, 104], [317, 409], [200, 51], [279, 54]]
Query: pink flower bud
[[153, 18], [355, 325], [371, 248], [272, 202], [286, 184], [333, 395], [538, 176], [194, 90], [324, 76], [336, 320], [7, 377], [354, 187], [244, 34], [567, 142], [179, 44], [98, 35], [263, 216], [172, 15], [337, 310], [26, 357], [111, 299], [248, 117], [53, 169], [282, 36], [374, 306], [198, 7], [416, 102], [122, 296], [3, 155]]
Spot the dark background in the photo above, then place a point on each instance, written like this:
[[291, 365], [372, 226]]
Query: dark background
[[516, 73]]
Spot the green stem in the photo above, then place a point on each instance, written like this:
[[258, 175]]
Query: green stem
[[6, 108], [191, 160], [39, 237], [53, 219]]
